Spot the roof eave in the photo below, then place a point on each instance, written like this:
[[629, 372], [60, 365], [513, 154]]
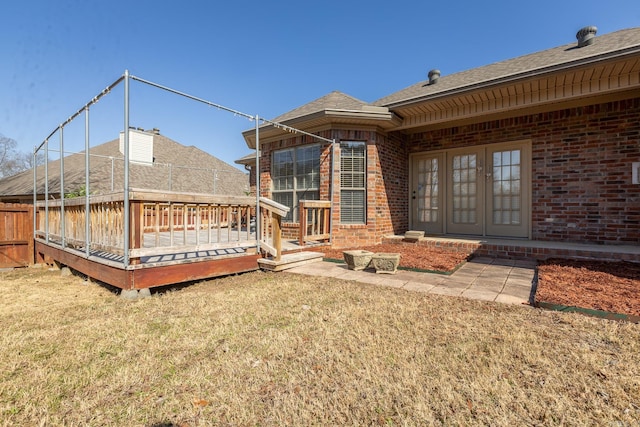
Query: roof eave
[[369, 115], [516, 77]]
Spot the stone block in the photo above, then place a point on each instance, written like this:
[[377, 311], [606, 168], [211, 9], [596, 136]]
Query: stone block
[[413, 235], [385, 263], [357, 259]]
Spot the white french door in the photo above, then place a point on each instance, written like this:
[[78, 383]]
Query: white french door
[[508, 178], [465, 189], [479, 191], [427, 193]]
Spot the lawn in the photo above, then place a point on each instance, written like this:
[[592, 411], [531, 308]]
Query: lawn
[[282, 349]]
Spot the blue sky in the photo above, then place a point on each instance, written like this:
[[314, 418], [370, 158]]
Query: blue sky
[[261, 58]]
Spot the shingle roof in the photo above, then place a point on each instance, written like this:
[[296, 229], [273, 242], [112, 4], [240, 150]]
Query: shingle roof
[[176, 168], [335, 100], [249, 159], [538, 62]]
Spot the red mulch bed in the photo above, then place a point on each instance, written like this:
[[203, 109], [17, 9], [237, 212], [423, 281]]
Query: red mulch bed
[[411, 255], [598, 285], [608, 286]]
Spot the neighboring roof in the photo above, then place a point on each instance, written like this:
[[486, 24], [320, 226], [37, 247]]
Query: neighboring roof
[[568, 55], [176, 168]]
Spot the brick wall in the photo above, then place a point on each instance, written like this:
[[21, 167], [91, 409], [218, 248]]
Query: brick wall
[[387, 209], [581, 168], [290, 230], [522, 251], [581, 173]]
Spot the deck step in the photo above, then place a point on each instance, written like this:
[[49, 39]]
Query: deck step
[[289, 260]]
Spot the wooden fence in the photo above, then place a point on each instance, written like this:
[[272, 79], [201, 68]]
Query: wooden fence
[[16, 235]]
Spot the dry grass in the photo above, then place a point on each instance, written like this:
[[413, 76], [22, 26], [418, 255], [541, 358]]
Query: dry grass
[[281, 349]]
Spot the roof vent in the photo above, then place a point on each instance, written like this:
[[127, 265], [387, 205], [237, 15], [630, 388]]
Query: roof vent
[[434, 75], [586, 35]]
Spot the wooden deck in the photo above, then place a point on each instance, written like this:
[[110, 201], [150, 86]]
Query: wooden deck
[[173, 237], [104, 267]]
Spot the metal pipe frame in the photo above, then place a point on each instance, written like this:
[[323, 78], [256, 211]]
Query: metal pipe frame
[[35, 183], [87, 207], [62, 213], [257, 184], [46, 190], [127, 217], [126, 77]]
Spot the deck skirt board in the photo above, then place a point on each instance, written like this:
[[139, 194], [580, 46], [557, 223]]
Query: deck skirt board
[[109, 268]]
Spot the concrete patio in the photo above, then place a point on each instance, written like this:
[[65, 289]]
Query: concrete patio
[[482, 278]]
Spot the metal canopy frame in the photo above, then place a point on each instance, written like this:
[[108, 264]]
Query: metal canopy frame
[[126, 78]]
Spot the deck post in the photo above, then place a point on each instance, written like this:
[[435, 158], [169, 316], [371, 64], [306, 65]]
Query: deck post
[[137, 228], [276, 222], [303, 222], [326, 222]]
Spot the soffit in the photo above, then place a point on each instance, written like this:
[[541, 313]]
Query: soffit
[[552, 89], [377, 117]]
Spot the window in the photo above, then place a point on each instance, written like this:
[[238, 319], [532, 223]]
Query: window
[[353, 192], [507, 192], [295, 173]]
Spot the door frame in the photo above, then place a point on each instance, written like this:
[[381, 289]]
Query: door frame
[[446, 155], [524, 229], [435, 227]]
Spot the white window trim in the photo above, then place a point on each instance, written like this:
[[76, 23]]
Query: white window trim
[[294, 191], [363, 189]]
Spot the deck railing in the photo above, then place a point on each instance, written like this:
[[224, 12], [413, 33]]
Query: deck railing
[[106, 218], [162, 223], [271, 214], [315, 221]]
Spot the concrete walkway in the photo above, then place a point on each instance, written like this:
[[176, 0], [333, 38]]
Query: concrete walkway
[[488, 279]]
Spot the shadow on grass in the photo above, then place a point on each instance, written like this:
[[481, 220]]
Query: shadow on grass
[[158, 290]]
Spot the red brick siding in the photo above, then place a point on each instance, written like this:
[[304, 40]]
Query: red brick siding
[[386, 185], [291, 230], [392, 187], [581, 168]]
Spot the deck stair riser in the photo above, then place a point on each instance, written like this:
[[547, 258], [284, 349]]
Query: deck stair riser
[[289, 260]]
